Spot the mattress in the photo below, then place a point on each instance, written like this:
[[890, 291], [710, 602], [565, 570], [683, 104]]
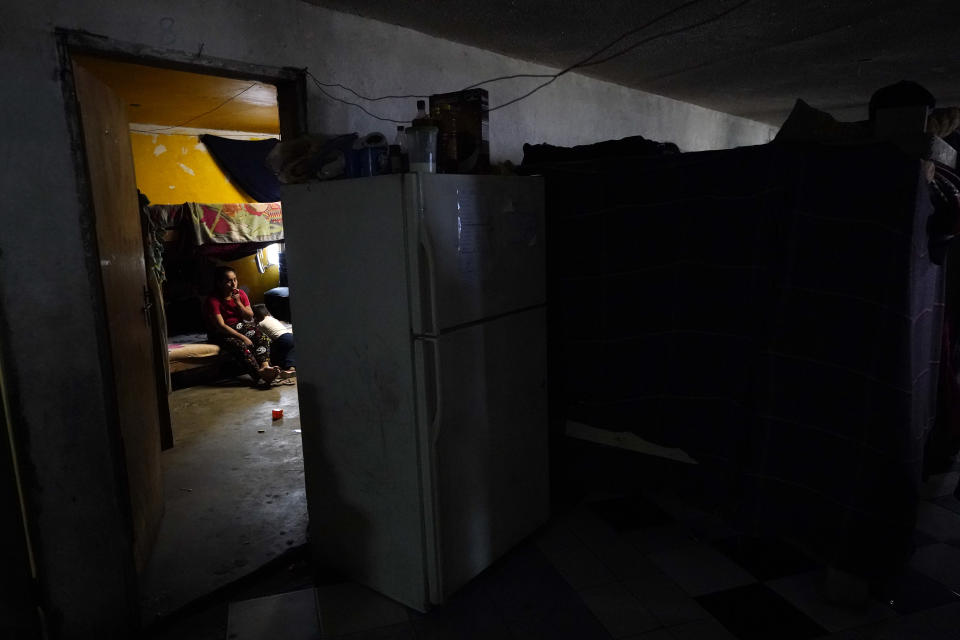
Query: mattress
[[185, 356]]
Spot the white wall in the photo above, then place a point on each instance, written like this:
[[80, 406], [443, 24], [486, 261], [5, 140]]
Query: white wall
[[52, 341], [573, 110]]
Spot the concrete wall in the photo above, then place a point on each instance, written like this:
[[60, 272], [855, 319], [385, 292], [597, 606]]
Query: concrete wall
[[51, 321], [573, 110]]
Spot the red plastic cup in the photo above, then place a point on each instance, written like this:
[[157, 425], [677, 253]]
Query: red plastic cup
[[277, 414]]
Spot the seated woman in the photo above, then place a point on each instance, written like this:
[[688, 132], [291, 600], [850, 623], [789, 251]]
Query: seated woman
[[230, 324]]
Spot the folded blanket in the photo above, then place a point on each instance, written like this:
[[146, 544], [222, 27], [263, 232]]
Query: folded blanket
[[538, 155]]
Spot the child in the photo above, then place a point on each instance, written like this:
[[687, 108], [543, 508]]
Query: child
[[281, 349]]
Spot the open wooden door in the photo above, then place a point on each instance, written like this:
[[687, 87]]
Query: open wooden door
[[128, 300]]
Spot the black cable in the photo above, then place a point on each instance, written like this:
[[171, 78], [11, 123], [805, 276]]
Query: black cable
[[528, 93], [593, 55], [205, 113], [360, 95], [588, 62], [352, 104], [668, 33], [629, 33], [514, 76], [510, 77]]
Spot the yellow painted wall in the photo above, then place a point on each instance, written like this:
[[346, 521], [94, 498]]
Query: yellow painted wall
[[172, 169], [177, 168]]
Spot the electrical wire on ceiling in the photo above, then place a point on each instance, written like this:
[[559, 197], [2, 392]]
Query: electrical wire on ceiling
[[195, 118], [577, 65], [589, 61], [713, 18], [354, 104], [360, 95]]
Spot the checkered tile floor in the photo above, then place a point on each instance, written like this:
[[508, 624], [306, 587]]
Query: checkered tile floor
[[649, 566]]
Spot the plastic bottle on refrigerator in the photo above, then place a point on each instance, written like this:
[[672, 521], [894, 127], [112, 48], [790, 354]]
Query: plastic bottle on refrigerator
[[422, 119], [399, 160], [422, 141]]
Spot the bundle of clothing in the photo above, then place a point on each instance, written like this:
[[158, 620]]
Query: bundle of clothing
[[310, 157], [325, 157], [537, 157]]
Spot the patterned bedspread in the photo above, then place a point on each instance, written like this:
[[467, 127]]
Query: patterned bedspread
[[773, 312], [236, 223]]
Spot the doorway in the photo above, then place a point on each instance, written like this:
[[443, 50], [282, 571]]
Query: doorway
[[226, 494]]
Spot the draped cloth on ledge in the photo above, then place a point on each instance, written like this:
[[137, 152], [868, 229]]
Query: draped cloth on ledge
[[236, 223], [223, 231]]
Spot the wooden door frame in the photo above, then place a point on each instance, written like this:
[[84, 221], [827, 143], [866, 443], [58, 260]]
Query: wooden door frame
[[291, 98], [290, 81]]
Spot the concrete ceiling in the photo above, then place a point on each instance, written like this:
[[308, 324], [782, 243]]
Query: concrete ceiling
[[752, 62]]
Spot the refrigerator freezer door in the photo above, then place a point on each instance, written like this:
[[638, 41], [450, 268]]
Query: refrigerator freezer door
[[350, 303], [490, 444], [479, 245]]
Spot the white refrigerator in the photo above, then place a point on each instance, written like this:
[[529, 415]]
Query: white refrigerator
[[418, 303]]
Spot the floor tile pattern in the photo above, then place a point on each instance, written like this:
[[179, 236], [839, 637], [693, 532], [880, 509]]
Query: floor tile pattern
[[647, 565]]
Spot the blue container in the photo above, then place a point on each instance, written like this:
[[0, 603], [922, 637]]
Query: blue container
[[369, 161]]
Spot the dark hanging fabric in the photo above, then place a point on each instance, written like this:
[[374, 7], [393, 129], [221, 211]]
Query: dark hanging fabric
[[244, 161], [771, 310]]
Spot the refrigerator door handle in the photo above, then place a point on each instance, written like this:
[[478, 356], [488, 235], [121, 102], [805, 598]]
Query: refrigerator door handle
[[428, 366], [437, 588], [428, 282], [435, 401]]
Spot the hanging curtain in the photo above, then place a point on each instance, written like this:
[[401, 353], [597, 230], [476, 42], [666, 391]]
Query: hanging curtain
[[244, 162]]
